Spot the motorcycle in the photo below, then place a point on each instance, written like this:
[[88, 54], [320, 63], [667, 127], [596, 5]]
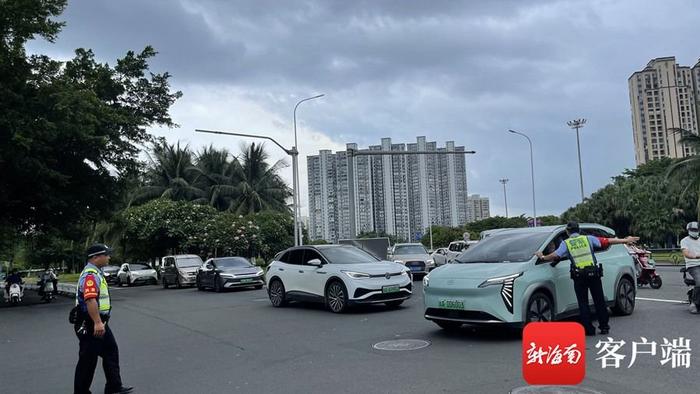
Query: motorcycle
[[15, 294], [48, 293], [645, 267]]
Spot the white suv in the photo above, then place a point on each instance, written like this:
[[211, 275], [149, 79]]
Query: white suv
[[338, 276]]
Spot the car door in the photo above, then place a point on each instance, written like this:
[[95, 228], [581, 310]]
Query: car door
[[287, 269], [204, 273], [561, 276], [313, 279], [169, 270]]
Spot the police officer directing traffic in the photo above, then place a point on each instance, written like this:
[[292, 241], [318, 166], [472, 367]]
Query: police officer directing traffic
[[91, 326], [586, 272]]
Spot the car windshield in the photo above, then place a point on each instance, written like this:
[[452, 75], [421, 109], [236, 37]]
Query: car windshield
[[457, 247], [410, 249], [184, 262], [139, 267], [504, 248], [110, 268], [232, 262], [347, 255]]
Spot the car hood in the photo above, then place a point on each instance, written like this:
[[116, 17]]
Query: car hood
[[411, 257], [239, 270], [188, 269], [378, 268], [476, 270], [144, 272]]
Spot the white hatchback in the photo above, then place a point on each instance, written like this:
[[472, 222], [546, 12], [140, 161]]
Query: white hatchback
[[338, 276]]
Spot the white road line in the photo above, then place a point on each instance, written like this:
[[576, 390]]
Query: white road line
[[662, 300]]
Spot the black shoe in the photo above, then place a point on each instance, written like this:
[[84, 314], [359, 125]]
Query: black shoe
[[122, 390]]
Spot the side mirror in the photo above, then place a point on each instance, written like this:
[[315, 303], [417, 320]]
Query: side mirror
[[315, 263]]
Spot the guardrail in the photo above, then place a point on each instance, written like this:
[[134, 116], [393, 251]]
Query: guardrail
[[668, 256]]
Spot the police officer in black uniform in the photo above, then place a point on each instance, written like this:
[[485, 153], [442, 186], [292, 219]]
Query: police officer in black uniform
[[92, 312], [586, 272]]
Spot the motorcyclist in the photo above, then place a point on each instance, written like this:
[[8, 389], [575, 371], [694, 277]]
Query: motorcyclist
[[12, 279], [46, 276], [690, 246]]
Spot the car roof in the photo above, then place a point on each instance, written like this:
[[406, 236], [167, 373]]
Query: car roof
[[550, 229]]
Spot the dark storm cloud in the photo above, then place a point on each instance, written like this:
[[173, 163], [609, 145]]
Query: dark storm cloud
[[450, 70]]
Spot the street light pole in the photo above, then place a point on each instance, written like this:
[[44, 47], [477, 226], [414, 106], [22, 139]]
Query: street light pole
[[292, 152], [505, 196], [298, 232], [577, 124], [532, 175]]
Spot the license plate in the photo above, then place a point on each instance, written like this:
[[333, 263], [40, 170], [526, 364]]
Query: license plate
[[390, 289], [248, 280], [451, 304], [414, 268]]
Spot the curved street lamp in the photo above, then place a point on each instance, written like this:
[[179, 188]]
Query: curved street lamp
[[532, 175]]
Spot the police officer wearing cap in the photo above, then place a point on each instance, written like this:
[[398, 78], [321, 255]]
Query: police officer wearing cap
[[586, 272], [91, 326], [690, 246]]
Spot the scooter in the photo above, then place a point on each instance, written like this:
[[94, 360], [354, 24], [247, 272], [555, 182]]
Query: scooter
[[645, 267], [15, 294], [690, 282], [48, 292]]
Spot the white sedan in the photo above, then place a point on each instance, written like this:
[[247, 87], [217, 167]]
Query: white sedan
[[338, 276], [134, 273]]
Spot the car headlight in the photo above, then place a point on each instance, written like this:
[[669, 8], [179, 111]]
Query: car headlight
[[426, 281], [230, 276], [260, 272], [499, 280], [399, 261], [106, 274], [356, 275], [430, 262]]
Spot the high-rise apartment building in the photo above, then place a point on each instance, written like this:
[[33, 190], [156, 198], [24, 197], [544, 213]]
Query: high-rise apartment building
[[400, 195], [664, 99], [478, 208]]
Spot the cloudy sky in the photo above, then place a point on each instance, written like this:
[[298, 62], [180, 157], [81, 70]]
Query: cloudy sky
[[449, 70]]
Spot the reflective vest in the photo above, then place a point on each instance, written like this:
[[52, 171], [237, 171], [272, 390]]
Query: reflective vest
[[580, 251], [103, 301]]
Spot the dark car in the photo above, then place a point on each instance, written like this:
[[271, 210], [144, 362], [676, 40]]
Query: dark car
[[229, 272], [110, 273]]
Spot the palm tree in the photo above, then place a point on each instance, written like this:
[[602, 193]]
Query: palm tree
[[171, 175], [688, 169], [259, 187]]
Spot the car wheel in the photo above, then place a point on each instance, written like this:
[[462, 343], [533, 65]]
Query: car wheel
[[448, 325], [393, 304], [624, 297], [217, 285], [165, 283], [199, 285], [540, 308], [277, 295], [178, 283], [336, 297], [656, 282]]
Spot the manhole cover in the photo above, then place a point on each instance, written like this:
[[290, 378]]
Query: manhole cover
[[554, 390], [402, 344]]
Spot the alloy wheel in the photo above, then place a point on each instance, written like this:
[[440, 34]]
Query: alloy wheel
[[336, 297]]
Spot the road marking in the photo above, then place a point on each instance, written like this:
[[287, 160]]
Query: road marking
[[662, 300]]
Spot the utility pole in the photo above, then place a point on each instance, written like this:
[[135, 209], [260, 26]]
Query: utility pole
[[505, 195]]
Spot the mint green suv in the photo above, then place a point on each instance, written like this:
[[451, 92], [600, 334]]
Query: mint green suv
[[500, 281]]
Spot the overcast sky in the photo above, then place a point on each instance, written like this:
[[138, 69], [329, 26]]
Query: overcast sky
[[448, 70]]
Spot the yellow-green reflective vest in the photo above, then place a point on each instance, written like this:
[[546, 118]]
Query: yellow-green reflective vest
[[103, 300], [580, 251]]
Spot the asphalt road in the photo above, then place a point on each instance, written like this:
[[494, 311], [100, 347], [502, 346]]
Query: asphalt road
[[185, 341]]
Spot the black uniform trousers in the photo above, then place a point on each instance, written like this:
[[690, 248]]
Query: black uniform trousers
[[90, 349], [581, 286]]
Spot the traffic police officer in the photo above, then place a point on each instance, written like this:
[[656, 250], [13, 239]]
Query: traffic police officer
[[94, 334], [586, 272]]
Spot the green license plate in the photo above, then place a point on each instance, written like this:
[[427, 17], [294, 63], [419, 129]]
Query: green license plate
[[451, 304], [390, 289], [248, 280]]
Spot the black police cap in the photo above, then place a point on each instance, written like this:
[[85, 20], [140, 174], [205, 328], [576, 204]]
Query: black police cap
[[98, 249], [572, 227]]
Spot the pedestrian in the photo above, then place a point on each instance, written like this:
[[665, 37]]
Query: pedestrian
[[586, 272], [690, 246], [92, 328]]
